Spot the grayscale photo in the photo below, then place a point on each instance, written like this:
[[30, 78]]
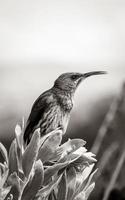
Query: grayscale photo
[[62, 100]]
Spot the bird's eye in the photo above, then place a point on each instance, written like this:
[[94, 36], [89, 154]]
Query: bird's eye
[[74, 77]]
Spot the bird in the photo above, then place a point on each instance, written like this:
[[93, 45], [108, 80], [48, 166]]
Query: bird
[[51, 110]]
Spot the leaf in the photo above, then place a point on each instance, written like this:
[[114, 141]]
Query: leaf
[[82, 161], [44, 137], [30, 153], [14, 193], [52, 170], [34, 183], [82, 176], [14, 181], [13, 158], [45, 191], [71, 182], [4, 152], [86, 172], [62, 188], [84, 195], [80, 151], [3, 167], [79, 164], [18, 132], [89, 190], [4, 178], [19, 140], [81, 196], [52, 196], [75, 160], [69, 158], [87, 156], [90, 179], [4, 192], [56, 155], [10, 197], [71, 146], [48, 148], [85, 180]]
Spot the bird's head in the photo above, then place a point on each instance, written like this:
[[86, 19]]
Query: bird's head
[[69, 81]]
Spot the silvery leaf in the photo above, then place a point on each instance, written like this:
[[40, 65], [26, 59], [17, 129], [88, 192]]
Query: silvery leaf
[[52, 170], [4, 192], [4, 152], [84, 184], [48, 148], [46, 190], [89, 190], [34, 183], [14, 181], [13, 158], [71, 146], [4, 178], [62, 188], [71, 182], [30, 153]]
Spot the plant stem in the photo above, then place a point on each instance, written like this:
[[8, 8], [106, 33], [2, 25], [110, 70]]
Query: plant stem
[[105, 158], [115, 174], [110, 116], [103, 129]]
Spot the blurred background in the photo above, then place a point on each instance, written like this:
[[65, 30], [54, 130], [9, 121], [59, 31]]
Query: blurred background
[[39, 40]]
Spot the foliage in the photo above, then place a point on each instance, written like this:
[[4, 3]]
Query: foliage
[[46, 169]]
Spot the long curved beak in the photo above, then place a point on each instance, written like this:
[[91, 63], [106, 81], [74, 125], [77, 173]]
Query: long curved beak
[[94, 73]]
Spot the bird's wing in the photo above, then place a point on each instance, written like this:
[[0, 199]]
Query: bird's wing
[[39, 107]]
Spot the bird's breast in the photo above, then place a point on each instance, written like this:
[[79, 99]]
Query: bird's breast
[[65, 121], [67, 104]]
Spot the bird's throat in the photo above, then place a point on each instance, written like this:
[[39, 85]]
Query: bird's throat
[[64, 98]]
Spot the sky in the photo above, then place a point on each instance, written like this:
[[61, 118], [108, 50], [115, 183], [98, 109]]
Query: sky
[[41, 39], [82, 31]]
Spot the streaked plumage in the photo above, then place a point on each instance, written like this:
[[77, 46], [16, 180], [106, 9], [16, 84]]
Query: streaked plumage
[[52, 109]]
